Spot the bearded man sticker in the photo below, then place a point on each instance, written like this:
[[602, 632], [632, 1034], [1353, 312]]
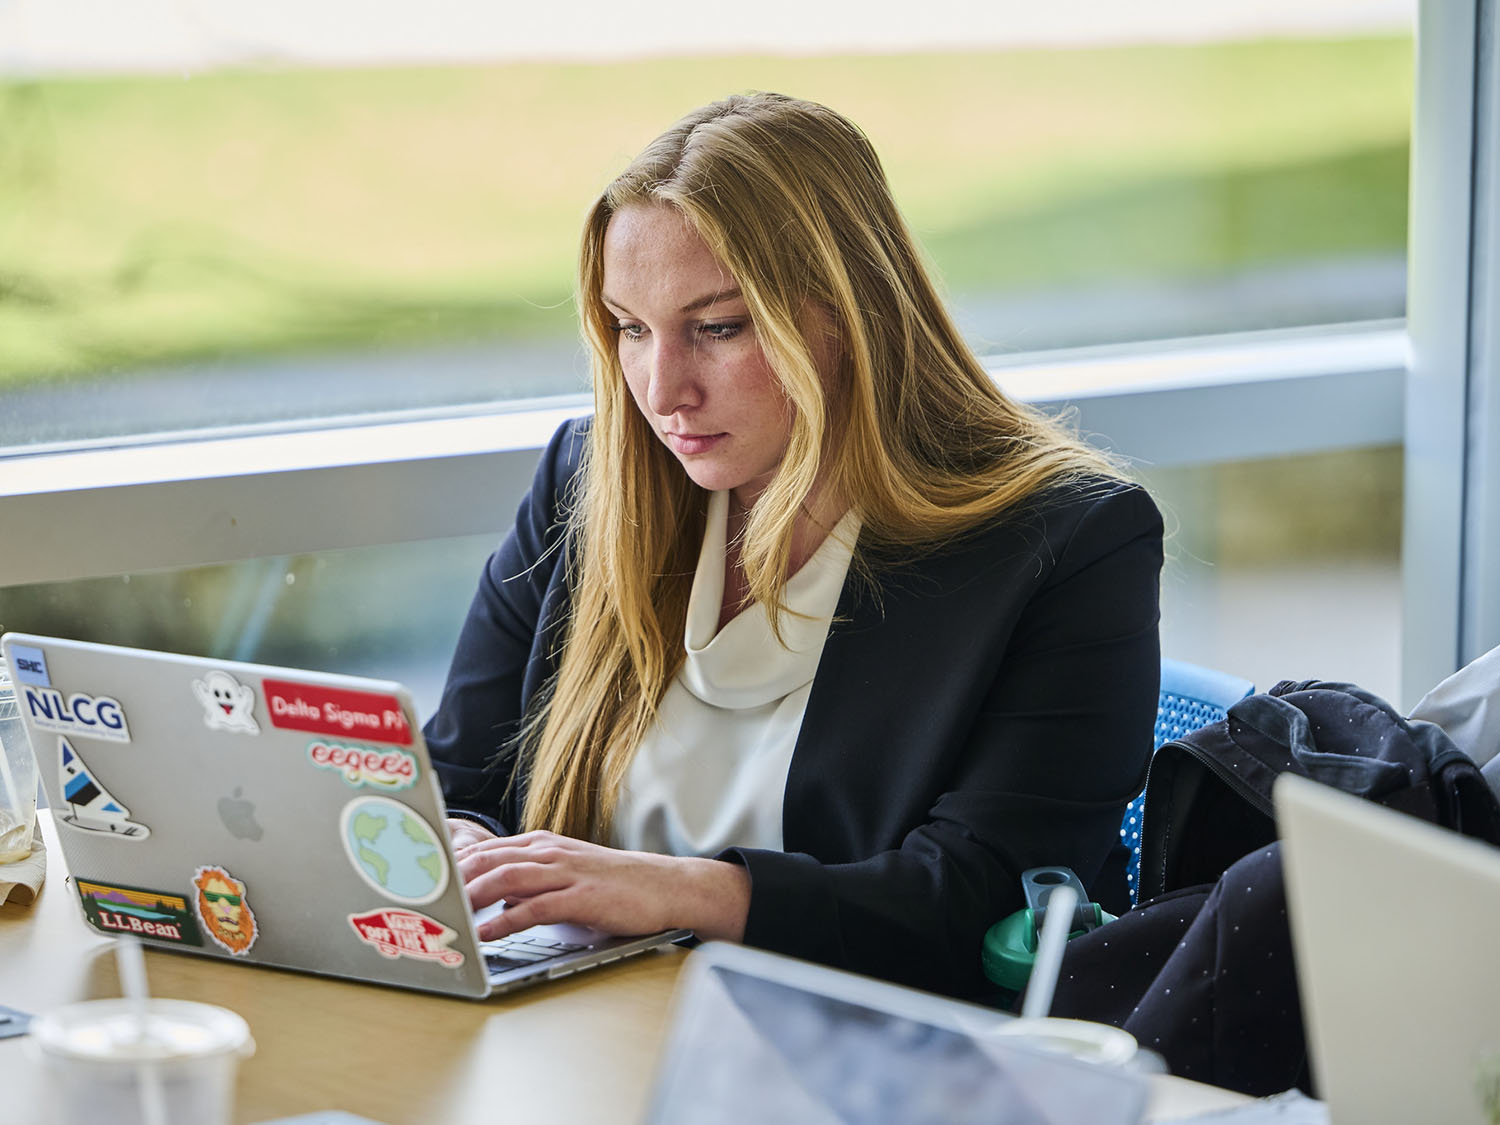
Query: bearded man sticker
[[224, 910]]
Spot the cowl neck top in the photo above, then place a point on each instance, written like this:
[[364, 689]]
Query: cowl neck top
[[711, 773]]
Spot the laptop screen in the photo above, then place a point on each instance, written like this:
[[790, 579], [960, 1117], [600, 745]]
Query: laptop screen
[[746, 1046]]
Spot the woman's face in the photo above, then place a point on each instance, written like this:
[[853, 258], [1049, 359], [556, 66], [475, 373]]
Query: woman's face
[[690, 354]]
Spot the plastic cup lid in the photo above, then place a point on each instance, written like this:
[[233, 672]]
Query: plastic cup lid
[[108, 1031], [1083, 1039]]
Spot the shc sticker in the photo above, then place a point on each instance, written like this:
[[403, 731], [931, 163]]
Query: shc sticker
[[394, 850], [80, 713], [337, 711], [87, 804], [224, 910], [29, 665], [405, 933], [227, 704], [131, 910], [389, 769]]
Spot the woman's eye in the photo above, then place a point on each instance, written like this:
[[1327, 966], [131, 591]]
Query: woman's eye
[[628, 330], [721, 330]]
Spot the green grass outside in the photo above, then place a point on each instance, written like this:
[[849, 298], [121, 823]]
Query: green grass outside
[[149, 220]]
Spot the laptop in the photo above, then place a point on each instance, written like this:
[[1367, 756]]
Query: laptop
[[267, 816], [756, 1036], [1394, 925]]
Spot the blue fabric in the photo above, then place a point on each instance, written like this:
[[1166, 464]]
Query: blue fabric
[[1191, 697]]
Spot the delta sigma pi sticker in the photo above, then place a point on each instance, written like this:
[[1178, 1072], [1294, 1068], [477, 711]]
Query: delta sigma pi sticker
[[224, 910], [393, 932]]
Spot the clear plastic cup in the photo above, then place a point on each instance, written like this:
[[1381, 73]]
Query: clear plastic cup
[[17, 777], [178, 1065]]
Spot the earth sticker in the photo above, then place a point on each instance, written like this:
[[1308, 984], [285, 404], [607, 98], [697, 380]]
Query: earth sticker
[[394, 849]]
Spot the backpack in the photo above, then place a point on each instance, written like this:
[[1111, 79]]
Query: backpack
[[1201, 970]]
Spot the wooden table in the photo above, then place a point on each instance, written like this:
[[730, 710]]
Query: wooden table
[[582, 1049]]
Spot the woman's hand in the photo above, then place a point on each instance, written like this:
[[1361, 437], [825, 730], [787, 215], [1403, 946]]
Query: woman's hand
[[546, 878], [465, 833]]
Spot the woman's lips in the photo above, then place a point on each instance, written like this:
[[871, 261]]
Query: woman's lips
[[686, 445]]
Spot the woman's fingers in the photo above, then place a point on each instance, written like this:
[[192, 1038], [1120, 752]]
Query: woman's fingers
[[514, 882], [467, 833]]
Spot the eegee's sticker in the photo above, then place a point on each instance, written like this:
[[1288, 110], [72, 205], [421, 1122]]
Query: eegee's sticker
[[405, 933], [360, 765], [88, 716]]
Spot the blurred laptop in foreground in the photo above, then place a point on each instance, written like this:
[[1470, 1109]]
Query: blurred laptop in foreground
[[1394, 923]]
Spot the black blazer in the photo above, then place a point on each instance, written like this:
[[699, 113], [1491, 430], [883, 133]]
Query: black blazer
[[981, 709]]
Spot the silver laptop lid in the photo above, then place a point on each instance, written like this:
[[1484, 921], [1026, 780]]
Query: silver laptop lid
[[275, 817], [1394, 924], [760, 1037]]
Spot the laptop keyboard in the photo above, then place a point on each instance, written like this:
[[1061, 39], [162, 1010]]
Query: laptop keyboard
[[519, 949]]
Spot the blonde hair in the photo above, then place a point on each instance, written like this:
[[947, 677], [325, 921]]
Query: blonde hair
[[790, 197]]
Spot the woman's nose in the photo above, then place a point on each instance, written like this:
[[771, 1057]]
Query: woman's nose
[[674, 379]]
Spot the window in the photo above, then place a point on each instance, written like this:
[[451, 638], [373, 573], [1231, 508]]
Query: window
[[246, 234], [291, 236]]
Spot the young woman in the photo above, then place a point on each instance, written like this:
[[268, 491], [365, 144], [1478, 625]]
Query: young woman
[[810, 638]]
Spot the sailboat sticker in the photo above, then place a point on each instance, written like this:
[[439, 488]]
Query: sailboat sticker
[[88, 805]]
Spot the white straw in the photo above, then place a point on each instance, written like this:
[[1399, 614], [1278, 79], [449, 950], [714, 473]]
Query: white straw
[[1049, 952], [132, 965]]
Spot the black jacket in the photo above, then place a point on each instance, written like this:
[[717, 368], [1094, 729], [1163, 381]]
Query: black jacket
[[987, 708]]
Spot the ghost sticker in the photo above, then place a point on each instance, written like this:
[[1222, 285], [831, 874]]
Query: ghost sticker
[[224, 910], [227, 704], [87, 804]]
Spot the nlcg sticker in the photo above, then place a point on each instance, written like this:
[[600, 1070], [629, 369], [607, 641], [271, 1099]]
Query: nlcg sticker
[[365, 715], [132, 910], [87, 804], [405, 933], [91, 716], [227, 704], [224, 910], [360, 765]]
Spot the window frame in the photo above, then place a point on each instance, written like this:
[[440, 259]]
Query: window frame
[[1451, 530], [215, 497]]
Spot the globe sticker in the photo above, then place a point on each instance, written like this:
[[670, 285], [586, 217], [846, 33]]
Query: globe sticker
[[394, 850]]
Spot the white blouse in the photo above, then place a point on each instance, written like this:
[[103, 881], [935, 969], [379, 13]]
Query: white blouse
[[711, 773]]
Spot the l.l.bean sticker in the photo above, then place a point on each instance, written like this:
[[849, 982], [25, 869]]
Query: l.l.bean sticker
[[384, 769]]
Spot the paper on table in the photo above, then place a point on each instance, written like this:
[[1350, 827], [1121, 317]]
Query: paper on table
[[23, 879], [1292, 1107]]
